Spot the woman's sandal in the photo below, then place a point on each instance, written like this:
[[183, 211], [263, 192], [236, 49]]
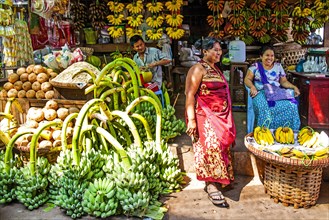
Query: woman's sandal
[[216, 197]]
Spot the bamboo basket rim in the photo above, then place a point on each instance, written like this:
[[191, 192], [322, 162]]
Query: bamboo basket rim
[[283, 161]]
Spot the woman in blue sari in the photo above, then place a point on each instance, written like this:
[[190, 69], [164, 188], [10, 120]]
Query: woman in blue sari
[[280, 112]]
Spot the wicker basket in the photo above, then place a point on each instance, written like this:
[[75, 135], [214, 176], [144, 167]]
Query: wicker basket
[[288, 163], [298, 188], [289, 53], [50, 154]]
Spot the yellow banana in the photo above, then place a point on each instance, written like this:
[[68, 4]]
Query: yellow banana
[[277, 134], [269, 136], [313, 140], [320, 157], [256, 131], [321, 152], [298, 153], [285, 150]]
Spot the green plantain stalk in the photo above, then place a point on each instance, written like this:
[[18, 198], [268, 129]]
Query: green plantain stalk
[[9, 148], [158, 115], [146, 125], [153, 95], [78, 127], [123, 131], [113, 91], [34, 141], [131, 125], [66, 122]]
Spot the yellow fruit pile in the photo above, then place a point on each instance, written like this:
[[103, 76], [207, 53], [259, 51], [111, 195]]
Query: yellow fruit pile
[[284, 135], [307, 137], [263, 136]]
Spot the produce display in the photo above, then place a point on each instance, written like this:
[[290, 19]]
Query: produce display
[[30, 82], [305, 144], [106, 167], [262, 21]]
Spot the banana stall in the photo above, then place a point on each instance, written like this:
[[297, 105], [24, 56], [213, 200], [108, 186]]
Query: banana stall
[[79, 129]]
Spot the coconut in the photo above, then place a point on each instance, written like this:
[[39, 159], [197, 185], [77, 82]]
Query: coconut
[[46, 86], [62, 113], [51, 104], [42, 77], [32, 77], [12, 93], [27, 86], [21, 94], [40, 94], [50, 114], [18, 85], [8, 86], [3, 94], [24, 77], [29, 69], [36, 86], [20, 71], [30, 94], [13, 77]]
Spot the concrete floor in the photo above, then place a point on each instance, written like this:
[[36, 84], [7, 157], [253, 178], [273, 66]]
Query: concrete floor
[[247, 200]]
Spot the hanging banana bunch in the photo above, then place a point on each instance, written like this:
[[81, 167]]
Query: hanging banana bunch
[[6, 21], [216, 19], [135, 18], [258, 21], [115, 18], [320, 13], [174, 19], [79, 14], [300, 21], [155, 20], [154, 34], [97, 14], [280, 20], [236, 21], [133, 31]]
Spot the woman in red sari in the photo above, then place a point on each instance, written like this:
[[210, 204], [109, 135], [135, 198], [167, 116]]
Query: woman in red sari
[[209, 121]]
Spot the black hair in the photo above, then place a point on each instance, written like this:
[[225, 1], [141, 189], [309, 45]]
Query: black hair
[[206, 43], [265, 48], [135, 38]]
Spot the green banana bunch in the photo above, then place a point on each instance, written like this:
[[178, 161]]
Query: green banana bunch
[[171, 176], [7, 184], [32, 189], [99, 198], [132, 187]]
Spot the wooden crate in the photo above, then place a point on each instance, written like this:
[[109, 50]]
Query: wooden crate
[[39, 103]]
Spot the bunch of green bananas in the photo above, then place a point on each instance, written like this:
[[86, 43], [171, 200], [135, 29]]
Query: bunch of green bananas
[[284, 135], [99, 198], [263, 136], [69, 196], [32, 189], [69, 182], [132, 187], [7, 183], [170, 174]]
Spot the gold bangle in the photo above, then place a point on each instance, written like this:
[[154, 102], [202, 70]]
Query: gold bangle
[[191, 119]]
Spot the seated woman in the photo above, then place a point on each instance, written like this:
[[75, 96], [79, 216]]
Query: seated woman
[[282, 112]]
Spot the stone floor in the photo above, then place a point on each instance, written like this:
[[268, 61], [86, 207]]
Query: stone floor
[[247, 200]]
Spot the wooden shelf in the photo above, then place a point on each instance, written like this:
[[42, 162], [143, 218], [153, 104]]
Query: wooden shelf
[[108, 48]]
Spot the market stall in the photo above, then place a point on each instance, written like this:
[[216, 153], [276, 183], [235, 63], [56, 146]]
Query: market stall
[[78, 125]]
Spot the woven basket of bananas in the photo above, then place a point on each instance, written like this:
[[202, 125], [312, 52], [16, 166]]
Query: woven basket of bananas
[[294, 161]]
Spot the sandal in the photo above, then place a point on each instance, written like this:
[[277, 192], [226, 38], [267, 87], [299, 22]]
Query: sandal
[[216, 197]]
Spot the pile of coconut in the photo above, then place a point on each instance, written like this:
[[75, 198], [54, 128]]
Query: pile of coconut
[[51, 137], [30, 82]]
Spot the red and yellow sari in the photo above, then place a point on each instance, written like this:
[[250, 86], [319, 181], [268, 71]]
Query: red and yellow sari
[[215, 128]]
